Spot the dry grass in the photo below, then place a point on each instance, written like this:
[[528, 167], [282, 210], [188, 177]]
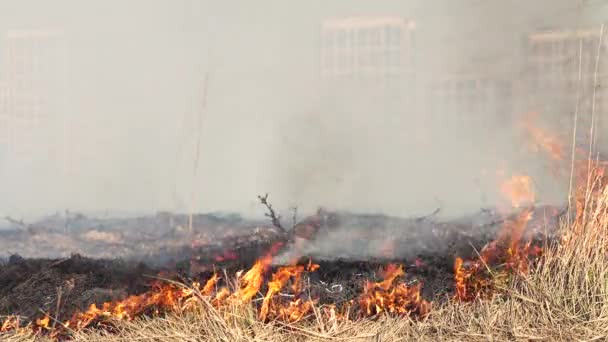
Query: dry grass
[[564, 299]]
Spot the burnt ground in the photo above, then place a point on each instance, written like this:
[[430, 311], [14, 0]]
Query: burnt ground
[[31, 286]]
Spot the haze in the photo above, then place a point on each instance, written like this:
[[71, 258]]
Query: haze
[[131, 103]]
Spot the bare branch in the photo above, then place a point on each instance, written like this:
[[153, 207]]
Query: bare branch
[[19, 223], [294, 217], [428, 216], [276, 219]]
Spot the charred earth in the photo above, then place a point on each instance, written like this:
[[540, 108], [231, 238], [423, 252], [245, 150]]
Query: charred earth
[[351, 251]]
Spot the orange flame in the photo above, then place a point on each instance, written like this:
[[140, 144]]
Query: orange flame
[[473, 280], [43, 322], [295, 309], [11, 323], [386, 296], [519, 190], [253, 279], [541, 140], [590, 180]]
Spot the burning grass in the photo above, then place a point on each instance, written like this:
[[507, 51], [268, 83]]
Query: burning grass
[[563, 297], [514, 289]]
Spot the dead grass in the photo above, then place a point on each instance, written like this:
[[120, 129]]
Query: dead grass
[[564, 299]]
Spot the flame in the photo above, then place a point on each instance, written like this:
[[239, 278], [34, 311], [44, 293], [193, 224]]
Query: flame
[[386, 296], [471, 283], [473, 278], [518, 189], [253, 279], [460, 277], [10, 324], [296, 309], [208, 288], [163, 296], [590, 180], [542, 140], [43, 322], [220, 297], [285, 299]]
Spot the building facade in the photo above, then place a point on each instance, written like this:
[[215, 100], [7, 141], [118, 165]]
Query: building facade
[[33, 99], [367, 48], [367, 65], [565, 71], [4, 127], [471, 101]]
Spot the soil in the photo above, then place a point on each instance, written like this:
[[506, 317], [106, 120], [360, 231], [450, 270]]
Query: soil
[[29, 287]]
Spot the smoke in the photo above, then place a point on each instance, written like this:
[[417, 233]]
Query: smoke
[[126, 128]]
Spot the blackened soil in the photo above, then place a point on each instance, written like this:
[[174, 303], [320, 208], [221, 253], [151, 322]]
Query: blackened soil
[[30, 287]]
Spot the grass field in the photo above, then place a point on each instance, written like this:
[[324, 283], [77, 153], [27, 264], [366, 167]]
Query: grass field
[[564, 298]]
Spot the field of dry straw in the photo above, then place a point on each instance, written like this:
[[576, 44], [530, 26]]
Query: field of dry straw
[[564, 298]]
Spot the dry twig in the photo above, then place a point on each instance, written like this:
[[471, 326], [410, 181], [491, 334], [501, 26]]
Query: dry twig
[[276, 219]]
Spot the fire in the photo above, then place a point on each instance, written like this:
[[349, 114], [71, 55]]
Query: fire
[[11, 323], [253, 279], [209, 286], [518, 189], [586, 172], [296, 309], [590, 179], [161, 296], [474, 278], [43, 322], [542, 140], [469, 283], [391, 297], [285, 299]]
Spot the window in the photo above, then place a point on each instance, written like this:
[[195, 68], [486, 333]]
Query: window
[[534, 48], [392, 36], [396, 36], [375, 39], [328, 39], [394, 58], [328, 60], [375, 58], [364, 58], [341, 39], [341, 61], [363, 36], [544, 48]]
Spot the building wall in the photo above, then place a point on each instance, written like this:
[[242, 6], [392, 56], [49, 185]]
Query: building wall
[[4, 129], [553, 60], [378, 48], [34, 95], [367, 66], [471, 102]]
